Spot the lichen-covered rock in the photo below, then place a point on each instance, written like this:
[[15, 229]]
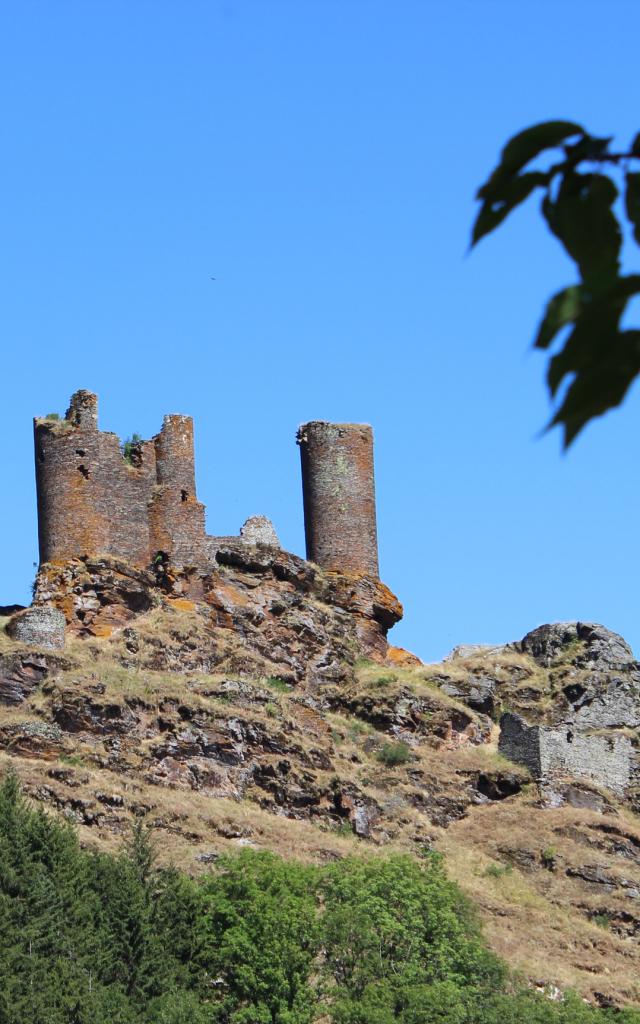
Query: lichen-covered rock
[[39, 626], [598, 644], [261, 611]]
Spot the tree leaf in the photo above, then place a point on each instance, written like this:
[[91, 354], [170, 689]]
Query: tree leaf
[[635, 145], [632, 202], [494, 211], [523, 147], [600, 386], [562, 309], [588, 148], [582, 218], [572, 303], [585, 346]]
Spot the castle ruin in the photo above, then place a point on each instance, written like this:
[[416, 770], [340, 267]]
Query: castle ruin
[[141, 505]]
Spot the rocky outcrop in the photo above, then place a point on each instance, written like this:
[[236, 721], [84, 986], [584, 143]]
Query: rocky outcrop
[[259, 611], [567, 697], [592, 644], [20, 676]]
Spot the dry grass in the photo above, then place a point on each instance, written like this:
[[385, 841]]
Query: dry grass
[[539, 920]]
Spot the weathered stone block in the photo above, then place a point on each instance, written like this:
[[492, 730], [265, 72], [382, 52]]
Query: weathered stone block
[[259, 530], [40, 626]]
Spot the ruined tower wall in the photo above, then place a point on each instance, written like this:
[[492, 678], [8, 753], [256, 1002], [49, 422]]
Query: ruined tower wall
[[93, 501], [176, 517], [90, 500], [339, 496]]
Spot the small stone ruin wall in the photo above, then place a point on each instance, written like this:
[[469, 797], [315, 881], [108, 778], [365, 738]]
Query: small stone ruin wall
[[608, 759], [520, 743]]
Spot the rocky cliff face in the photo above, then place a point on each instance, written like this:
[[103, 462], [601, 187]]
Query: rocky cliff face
[[259, 610], [259, 705]]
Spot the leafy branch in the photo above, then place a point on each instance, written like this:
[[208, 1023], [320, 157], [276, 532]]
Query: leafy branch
[[598, 360]]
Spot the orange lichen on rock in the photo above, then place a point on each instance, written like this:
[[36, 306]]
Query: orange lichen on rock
[[181, 604], [402, 658]]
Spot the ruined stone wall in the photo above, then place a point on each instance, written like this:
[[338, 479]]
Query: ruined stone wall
[[40, 626], [339, 496], [520, 743], [550, 752], [93, 501], [606, 759], [176, 517], [90, 500]]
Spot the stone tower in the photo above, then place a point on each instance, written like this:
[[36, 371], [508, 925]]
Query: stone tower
[[94, 501], [339, 496]]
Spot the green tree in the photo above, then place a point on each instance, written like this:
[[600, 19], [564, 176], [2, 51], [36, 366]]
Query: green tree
[[260, 938], [597, 359], [395, 927]]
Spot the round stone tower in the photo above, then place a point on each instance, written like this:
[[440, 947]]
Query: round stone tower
[[70, 515], [339, 496]]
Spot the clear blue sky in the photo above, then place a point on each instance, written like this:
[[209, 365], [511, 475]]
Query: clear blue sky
[[319, 159]]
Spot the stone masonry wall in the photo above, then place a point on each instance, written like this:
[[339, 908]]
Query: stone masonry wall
[[40, 626], [90, 499], [339, 496], [549, 752], [93, 501], [520, 742], [606, 759], [176, 517], [138, 505]]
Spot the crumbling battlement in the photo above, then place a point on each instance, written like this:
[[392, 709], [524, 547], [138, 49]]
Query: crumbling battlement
[[609, 759], [93, 500]]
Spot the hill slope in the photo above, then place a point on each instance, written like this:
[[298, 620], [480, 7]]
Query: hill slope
[[163, 715]]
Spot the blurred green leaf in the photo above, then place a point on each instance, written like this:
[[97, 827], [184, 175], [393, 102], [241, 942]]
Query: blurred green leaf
[[561, 310], [523, 147], [588, 148], [582, 218], [577, 301], [596, 361], [494, 211], [585, 345], [600, 386]]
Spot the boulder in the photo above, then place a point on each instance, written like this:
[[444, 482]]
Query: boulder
[[38, 626]]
